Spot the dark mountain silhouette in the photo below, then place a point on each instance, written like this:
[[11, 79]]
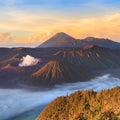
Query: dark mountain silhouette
[[58, 40], [63, 40], [107, 43]]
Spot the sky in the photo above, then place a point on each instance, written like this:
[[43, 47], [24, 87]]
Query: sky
[[31, 22]]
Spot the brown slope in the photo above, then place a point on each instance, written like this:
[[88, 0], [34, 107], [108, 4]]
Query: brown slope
[[10, 75], [58, 72], [91, 57], [9, 67], [84, 105]]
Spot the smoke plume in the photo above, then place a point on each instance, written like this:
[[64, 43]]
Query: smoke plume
[[28, 61]]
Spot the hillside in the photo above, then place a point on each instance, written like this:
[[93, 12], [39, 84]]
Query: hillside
[[63, 64], [59, 72], [90, 57], [84, 105]]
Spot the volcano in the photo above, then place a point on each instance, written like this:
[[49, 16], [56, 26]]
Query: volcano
[[58, 40], [58, 72], [62, 40]]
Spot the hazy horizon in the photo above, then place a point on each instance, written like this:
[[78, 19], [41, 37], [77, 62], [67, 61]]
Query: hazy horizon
[[33, 46], [30, 22]]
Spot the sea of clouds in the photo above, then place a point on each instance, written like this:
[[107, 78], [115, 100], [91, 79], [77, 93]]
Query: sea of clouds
[[16, 101]]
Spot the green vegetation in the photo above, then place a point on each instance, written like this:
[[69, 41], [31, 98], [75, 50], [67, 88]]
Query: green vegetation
[[85, 105]]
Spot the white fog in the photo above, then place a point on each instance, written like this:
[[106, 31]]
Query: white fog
[[16, 101]]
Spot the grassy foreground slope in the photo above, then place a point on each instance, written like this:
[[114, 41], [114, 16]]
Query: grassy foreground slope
[[85, 105]]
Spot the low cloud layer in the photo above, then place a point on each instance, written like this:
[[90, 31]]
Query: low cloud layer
[[28, 61], [16, 101]]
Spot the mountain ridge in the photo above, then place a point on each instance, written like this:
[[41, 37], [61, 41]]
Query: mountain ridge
[[101, 42], [69, 60], [64, 40]]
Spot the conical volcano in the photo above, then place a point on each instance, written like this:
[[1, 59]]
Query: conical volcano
[[58, 72], [58, 40]]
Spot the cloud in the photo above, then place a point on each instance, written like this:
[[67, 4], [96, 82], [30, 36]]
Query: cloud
[[5, 35], [6, 38], [40, 26], [28, 61], [40, 36]]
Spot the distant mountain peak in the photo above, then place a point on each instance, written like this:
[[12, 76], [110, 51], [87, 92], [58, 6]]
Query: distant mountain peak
[[90, 38], [62, 36], [60, 39], [61, 33], [101, 42]]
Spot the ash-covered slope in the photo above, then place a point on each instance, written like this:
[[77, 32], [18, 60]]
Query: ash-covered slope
[[56, 63], [58, 72], [91, 57]]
